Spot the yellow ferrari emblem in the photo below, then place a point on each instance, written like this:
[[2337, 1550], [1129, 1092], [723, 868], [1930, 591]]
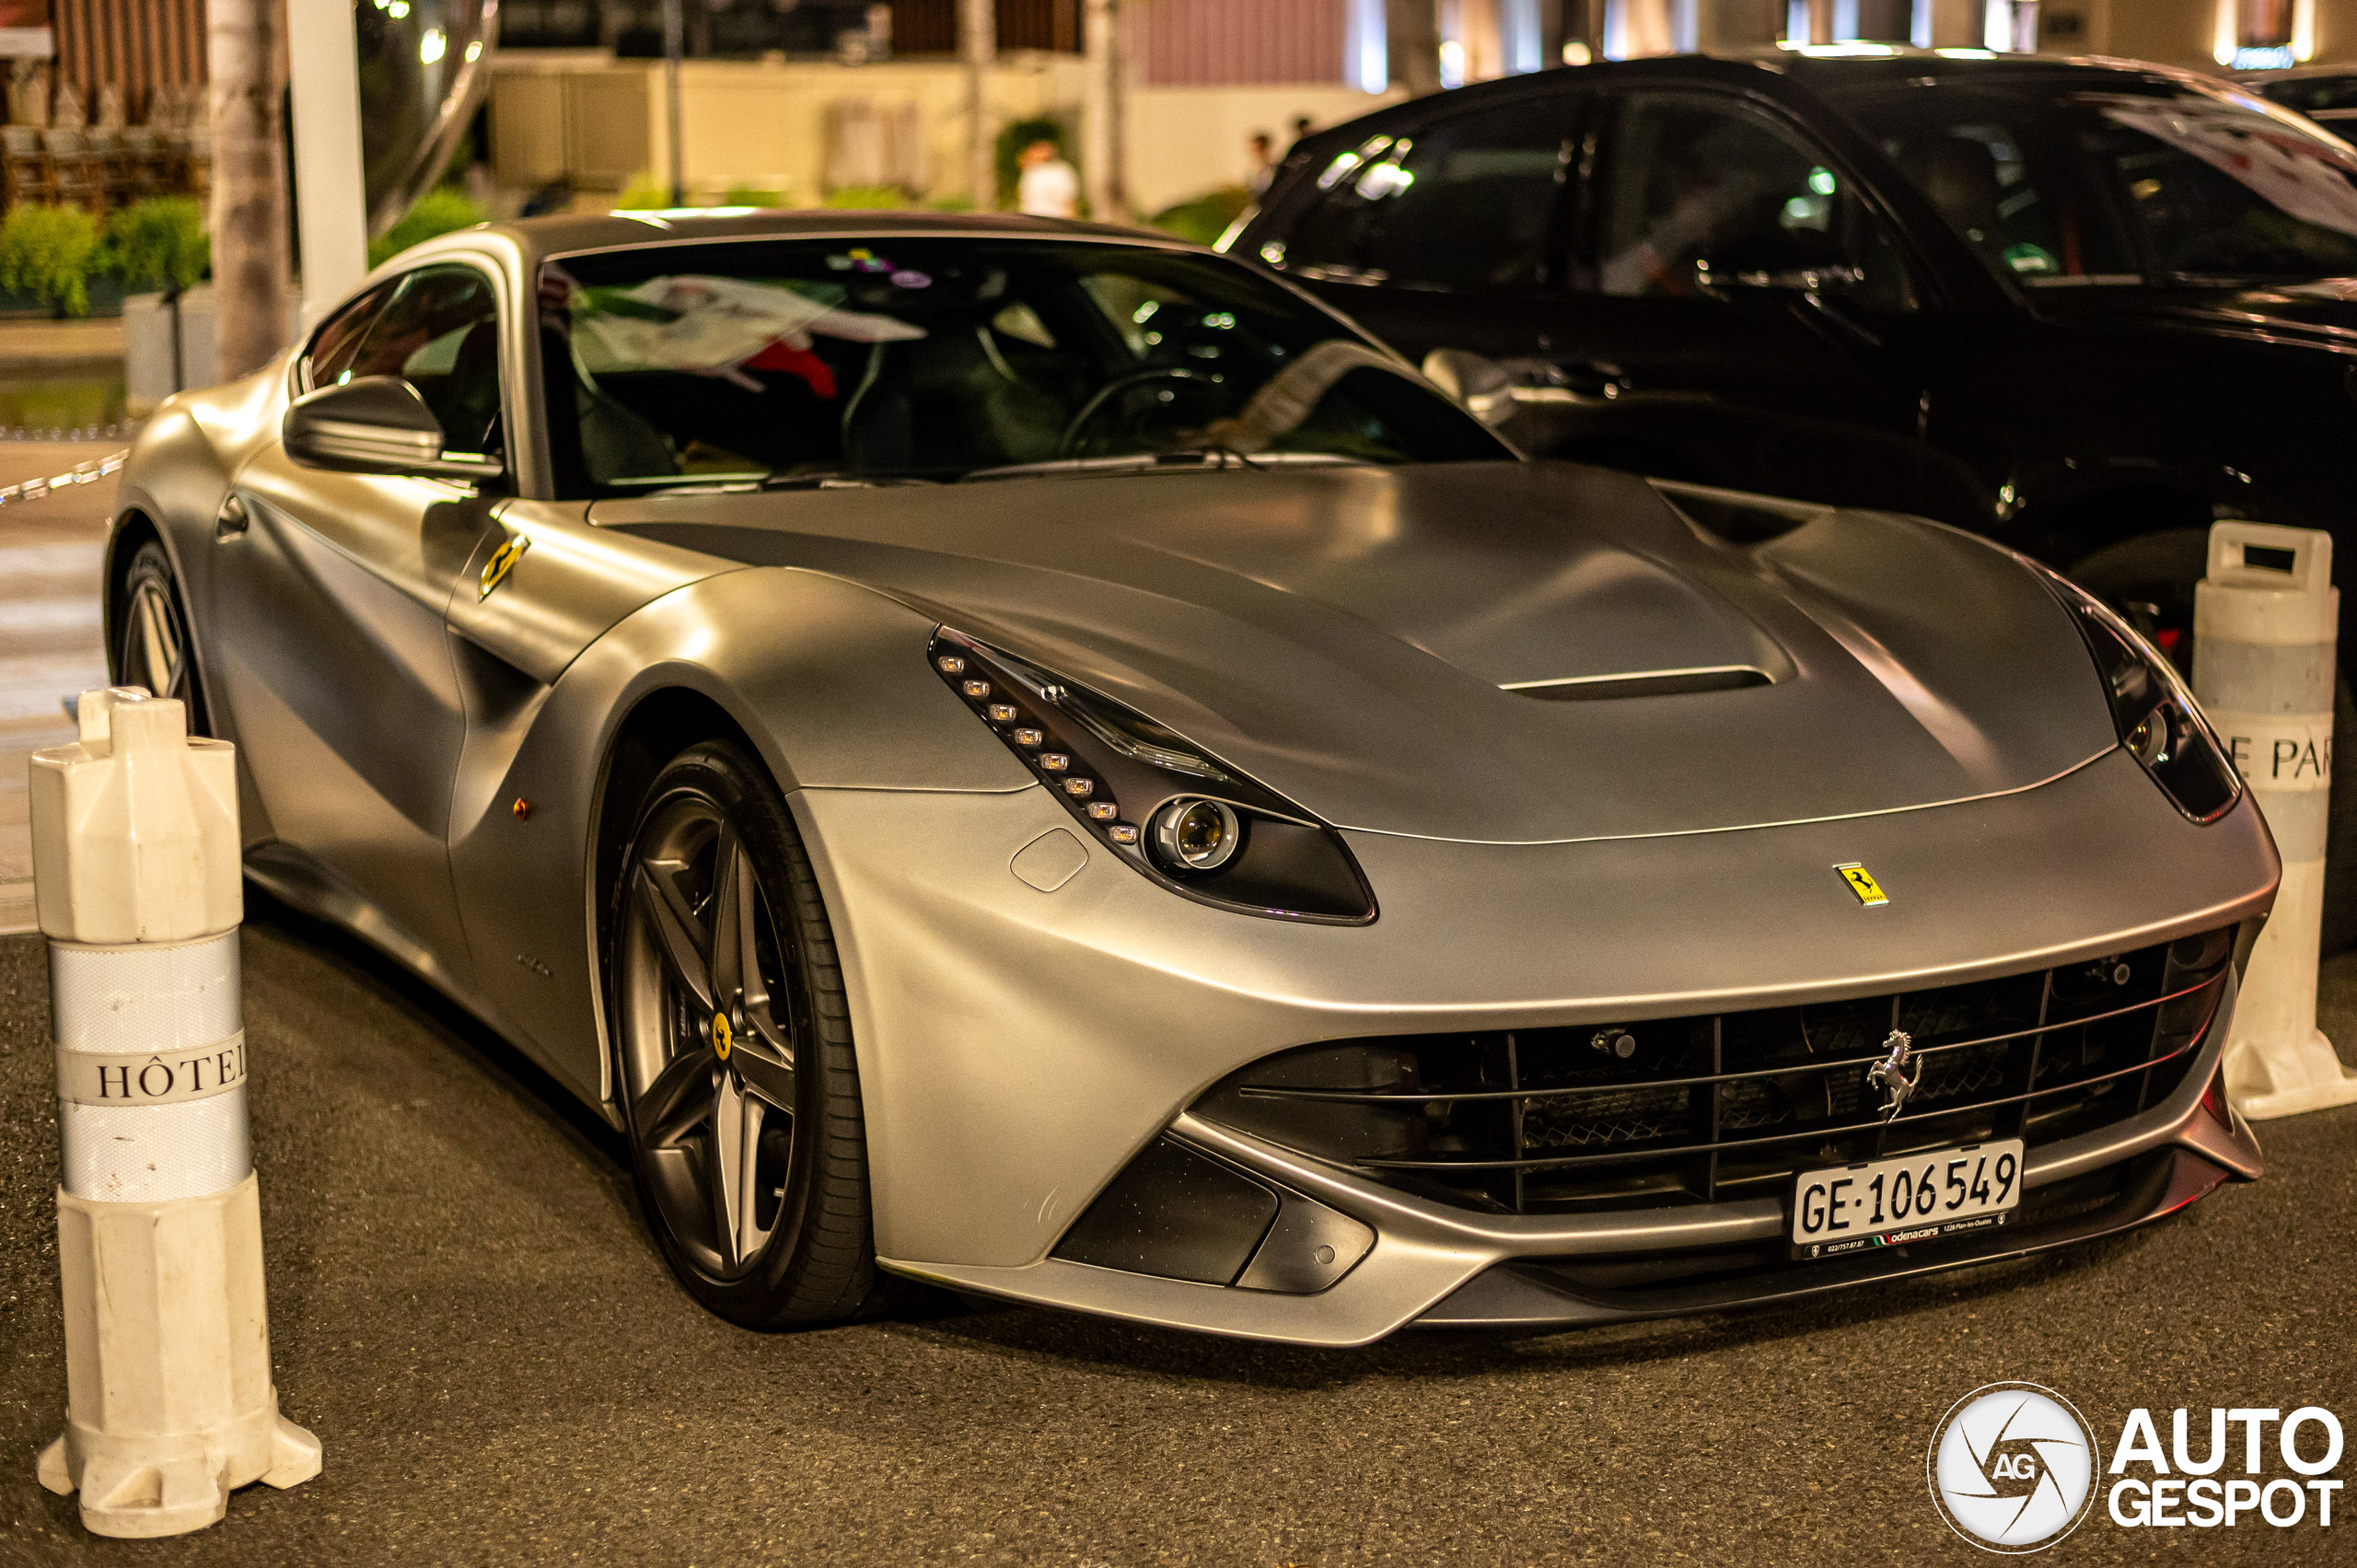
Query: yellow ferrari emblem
[[503, 561], [721, 1036], [1861, 882]]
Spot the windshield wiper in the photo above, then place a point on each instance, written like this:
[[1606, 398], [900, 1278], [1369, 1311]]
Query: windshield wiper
[[1184, 459], [839, 480]]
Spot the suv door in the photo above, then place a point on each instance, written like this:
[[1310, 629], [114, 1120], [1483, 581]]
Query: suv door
[[1746, 312], [339, 677]]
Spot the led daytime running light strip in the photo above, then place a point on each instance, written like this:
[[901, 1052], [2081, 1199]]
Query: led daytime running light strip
[[1009, 711]]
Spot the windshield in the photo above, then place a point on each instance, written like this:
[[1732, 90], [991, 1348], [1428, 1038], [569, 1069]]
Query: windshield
[[2177, 185], [896, 360]]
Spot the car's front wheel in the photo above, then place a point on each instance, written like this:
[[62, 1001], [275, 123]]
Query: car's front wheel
[[151, 642], [734, 1070]]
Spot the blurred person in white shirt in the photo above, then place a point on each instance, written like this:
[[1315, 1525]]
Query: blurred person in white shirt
[[1048, 187]]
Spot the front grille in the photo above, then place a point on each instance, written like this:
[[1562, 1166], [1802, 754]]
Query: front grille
[[1720, 1106]]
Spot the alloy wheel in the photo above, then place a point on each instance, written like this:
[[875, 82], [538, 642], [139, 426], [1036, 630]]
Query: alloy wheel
[[154, 648], [707, 1036]]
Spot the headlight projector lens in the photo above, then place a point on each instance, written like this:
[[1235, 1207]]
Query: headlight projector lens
[[1196, 835]]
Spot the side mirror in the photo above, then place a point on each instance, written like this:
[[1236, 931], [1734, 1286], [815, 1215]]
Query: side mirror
[[1482, 384], [376, 425], [1494, 390]]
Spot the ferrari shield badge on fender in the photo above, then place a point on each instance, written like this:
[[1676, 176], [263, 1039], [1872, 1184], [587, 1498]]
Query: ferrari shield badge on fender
[[503, 561], [1860, 880]]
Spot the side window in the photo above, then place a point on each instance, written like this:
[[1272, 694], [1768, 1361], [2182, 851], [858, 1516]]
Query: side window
[[338, 339], [440, 332], [1330, 238], [1468, 204], [1699, 196]]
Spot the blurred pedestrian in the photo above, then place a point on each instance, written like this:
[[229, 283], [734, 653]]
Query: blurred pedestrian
[[556, 197], [1048, 187], [1263, 167]]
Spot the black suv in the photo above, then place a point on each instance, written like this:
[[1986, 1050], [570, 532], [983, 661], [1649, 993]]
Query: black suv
[[2084, 307]]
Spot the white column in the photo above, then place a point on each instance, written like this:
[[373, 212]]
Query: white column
[[330, 194], [2265, 629], [978, 44], [1099, 167]]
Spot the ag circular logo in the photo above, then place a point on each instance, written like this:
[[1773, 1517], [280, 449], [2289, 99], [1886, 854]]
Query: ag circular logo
[[2012, 1467]]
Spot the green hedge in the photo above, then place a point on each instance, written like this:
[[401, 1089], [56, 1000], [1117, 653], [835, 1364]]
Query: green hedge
[[53, 253], [159, 243], [47, 252], [1206, 217], [440, 210]]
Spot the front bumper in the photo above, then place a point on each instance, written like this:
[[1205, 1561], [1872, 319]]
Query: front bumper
[[1439, 1266], [1019, 1048]]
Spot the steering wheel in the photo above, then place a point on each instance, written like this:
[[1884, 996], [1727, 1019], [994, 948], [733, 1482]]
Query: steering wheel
[[1069, 443]]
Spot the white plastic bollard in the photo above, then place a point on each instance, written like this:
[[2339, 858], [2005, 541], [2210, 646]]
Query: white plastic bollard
[[169, 1403], [2266, 624]]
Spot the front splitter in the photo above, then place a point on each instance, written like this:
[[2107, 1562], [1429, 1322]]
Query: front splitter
[[1536, 1292]]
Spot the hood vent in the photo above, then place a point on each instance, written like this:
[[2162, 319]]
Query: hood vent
[[1734, 517], [1652, 683]]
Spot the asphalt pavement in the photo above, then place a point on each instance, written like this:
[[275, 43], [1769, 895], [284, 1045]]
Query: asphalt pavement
[[465, 1309]]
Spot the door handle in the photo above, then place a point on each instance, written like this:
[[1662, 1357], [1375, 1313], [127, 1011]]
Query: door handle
[[231, 519]]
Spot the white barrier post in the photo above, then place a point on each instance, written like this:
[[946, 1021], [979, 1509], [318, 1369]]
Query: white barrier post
[[168, 1400], [2266, 624]]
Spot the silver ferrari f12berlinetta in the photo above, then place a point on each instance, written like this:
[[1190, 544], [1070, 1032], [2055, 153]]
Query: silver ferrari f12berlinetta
[[1039, 759]]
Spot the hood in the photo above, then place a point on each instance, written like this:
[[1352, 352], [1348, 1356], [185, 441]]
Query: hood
[[1498, 652]]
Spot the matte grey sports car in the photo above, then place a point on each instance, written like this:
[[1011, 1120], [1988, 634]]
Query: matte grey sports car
[[1039, 759]]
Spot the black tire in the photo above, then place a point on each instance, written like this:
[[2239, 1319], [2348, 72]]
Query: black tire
[[151, 645], [768, 1229]]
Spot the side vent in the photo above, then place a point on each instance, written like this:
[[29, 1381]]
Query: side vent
[[1734, 517]]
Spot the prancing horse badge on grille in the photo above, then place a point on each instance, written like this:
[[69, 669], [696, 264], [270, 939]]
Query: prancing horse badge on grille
[[1890, 1075]]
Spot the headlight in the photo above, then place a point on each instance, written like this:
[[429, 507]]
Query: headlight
[[2159, 722], [1156, 799]]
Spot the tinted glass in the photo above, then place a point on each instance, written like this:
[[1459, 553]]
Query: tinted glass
[[2006, 185], [2178, 183], [932, 359], [2313, 94], [440, 332], [1698, 195], [340, 336], [1466, 204]]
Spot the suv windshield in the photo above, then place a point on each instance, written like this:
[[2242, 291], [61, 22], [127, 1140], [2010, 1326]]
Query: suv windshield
[[892, 359], [2180, 184]]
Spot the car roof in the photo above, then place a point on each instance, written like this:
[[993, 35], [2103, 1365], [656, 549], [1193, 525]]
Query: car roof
[[1829, 68]]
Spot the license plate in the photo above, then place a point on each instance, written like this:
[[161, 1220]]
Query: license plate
[[1890, 1202]]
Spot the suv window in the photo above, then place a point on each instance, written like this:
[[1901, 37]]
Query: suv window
[[438, 330], [1468, 204], [1701, 195], [2204, 183]]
